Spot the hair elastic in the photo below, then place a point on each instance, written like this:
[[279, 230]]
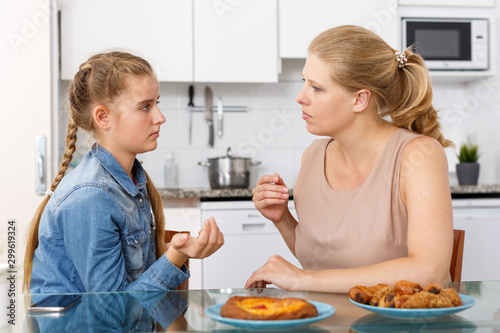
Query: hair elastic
[[401, 58], [49, 193]]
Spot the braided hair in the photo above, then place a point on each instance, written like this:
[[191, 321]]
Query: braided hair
[[99, 80]]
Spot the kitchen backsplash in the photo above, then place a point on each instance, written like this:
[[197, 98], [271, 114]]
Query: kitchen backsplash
[[273, 132]]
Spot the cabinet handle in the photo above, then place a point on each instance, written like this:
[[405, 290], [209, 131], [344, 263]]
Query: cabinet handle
[[40, 161], [253, 227], [250, 216]]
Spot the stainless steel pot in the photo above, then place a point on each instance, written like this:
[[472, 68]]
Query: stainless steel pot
[[229, 171]]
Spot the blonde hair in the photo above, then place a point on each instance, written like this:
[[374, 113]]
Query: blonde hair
[[360, 59], [99, 80]]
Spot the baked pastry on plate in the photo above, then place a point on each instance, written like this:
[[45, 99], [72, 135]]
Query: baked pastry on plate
[[267, 308]]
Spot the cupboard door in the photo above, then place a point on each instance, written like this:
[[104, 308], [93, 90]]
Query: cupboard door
[[300, 21], [159, 30], [450, 3], [235, 41]]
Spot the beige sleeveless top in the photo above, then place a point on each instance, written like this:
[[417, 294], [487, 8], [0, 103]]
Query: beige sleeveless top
[[345, 229]]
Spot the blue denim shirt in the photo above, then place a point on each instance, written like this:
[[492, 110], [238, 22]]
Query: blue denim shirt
[[97, 233]]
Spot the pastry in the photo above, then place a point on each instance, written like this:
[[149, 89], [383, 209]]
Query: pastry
[[267, 308], [406, 295]]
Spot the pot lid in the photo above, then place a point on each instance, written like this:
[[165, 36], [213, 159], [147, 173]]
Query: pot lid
[[229, 154]]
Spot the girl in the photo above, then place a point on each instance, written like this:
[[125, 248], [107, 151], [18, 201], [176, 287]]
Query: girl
[[101, 228], [373, 200]]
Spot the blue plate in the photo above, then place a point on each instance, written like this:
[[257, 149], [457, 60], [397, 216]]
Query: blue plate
[[467, 302], [324, 311]]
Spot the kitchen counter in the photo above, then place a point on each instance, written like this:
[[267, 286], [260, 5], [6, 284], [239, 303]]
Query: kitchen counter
[[183, 311], [205, 193], [457, 192], [475, 191]]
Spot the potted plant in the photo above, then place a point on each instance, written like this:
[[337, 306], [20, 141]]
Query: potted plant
[[468, 168]]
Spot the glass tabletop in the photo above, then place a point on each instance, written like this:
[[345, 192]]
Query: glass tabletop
[[184, 311]]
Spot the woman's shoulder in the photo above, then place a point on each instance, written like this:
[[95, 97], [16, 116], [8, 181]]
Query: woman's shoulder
[[423, 154], [422, 144], [316, 145], [319, 143]]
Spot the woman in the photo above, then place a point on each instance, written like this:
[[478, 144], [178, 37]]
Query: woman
[[101, 227], [373, 202]]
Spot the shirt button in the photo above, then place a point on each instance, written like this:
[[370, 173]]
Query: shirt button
[[140, 200], [150, 231], [135, 241]]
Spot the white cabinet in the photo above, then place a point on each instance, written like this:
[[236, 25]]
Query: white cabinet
[[300, 21], [159, 30], [235, 41], [480, 218], [250, 240], [449, 3], [186, 219]]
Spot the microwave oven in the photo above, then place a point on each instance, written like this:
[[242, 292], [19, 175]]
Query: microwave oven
[[449, 44]]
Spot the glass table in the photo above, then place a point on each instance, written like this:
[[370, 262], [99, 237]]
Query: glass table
[[183, 311]]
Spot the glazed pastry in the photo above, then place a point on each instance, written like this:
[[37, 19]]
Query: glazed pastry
[[267, 308], [452, 295], [361, 294], [378, 292], [393, 300], [407, 288], [406, 295], [433, 288]]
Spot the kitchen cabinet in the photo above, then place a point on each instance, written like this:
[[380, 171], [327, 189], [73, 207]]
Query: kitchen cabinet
[[449, 3], [159, 30], [204, 41], [250, 240], [235, 41], [186, 219], [480, 218], [300, 21]]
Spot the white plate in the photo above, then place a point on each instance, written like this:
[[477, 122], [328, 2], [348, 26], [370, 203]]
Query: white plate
[[324, 311]]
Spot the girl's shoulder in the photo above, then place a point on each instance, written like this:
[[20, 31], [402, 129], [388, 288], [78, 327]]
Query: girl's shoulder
[[89, 173]]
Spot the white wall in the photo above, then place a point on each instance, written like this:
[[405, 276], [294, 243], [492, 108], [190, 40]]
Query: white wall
[[26, 102], [272, 131], [476, 113]]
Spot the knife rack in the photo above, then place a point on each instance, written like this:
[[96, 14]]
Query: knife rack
[[225, 109]]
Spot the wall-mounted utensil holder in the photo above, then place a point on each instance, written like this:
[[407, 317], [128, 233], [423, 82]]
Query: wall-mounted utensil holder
[[226, 109]]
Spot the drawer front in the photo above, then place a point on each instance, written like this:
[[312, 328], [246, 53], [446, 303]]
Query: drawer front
[[244, 221]]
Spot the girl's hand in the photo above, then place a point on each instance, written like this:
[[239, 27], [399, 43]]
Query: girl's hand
[[279, 272], [208, 241], [270, 197]]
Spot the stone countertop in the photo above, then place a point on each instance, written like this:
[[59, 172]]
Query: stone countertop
[[205, 193], [475, 191], [469, 191]]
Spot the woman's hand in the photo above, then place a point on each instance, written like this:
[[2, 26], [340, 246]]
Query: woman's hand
[[279, 272], [182, 246], [270, 197]]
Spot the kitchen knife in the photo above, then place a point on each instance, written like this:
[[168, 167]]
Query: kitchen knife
[[209, 115], [190, 109], [220, 110]]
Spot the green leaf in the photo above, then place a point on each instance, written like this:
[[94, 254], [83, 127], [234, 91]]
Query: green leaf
[[469, 153]]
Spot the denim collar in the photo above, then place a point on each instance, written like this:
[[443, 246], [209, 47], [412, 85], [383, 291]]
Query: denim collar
[[109, 162]]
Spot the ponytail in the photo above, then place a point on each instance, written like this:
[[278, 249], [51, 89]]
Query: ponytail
[[409, 103], [400, 83]]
